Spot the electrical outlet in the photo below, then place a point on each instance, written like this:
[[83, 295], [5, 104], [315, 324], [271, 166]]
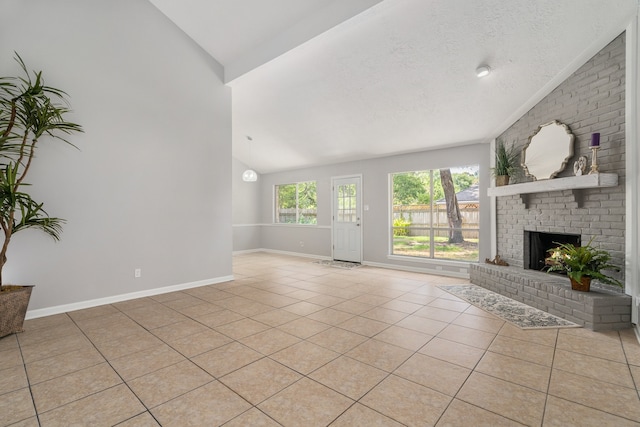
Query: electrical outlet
[[301, 244], [137, 273]]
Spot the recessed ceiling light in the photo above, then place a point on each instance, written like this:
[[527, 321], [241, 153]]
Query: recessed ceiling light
[[483, 71]]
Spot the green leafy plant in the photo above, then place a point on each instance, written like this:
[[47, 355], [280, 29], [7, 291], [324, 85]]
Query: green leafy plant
[[507, 161], [579, 261], [400, 227], [29, 111]]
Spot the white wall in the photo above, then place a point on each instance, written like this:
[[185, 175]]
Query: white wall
[[375, 191], [150, 187], [246, 209], [632, 158]]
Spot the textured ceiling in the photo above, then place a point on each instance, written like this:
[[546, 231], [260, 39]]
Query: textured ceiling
[[388, 77]]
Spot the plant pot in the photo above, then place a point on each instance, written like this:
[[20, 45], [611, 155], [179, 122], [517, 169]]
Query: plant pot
[[583, 285], [13, 307], [502, 180]]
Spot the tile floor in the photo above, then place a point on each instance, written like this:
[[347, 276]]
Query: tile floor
[[293, 343]]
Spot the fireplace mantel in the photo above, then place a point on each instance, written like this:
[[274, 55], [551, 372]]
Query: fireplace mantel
[[556, 184]]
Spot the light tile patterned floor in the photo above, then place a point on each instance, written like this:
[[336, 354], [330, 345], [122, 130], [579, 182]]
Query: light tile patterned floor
[[294, 343]]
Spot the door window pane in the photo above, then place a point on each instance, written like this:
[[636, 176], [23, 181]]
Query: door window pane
[[346, 209]]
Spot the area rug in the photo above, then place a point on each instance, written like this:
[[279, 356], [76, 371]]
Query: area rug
[[517, 313], [338, 264]]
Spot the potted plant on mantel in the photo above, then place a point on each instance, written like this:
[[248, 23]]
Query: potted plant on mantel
[[30, 112], [582, 263], [507, 163]]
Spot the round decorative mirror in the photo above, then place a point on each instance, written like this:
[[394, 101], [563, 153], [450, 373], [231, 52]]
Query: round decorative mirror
[[548, 151]]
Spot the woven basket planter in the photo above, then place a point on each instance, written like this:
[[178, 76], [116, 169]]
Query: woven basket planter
[[584, 285], [13, 307], [502, 180]]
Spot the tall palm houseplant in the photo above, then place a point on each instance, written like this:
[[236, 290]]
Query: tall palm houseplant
[[30, 114], [507, 163]]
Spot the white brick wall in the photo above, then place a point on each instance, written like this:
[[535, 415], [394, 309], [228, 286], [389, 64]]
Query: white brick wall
[[591, 100]]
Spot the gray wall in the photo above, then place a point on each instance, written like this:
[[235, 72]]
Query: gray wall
[[246, 209], [316, 240], [590, 100], [150, 187]]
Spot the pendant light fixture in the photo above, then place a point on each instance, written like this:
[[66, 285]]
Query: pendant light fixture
[[249, 175]]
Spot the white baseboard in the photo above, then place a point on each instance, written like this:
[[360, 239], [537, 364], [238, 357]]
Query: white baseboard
[[33, 314], [428, 270], [274, 251], [247, 251]]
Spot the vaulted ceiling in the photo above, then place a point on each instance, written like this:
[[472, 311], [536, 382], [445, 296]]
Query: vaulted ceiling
[[324, 81]]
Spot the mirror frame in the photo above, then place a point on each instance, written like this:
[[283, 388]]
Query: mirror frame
[[548, 151]]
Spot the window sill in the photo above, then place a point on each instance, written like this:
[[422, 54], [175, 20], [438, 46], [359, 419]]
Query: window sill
[[431, 261], [280, 224], [459, 269]]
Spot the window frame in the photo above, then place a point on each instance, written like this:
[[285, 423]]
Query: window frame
[[298, 209], [432, 230]]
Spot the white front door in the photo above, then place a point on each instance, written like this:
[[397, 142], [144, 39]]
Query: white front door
[[347, 226]]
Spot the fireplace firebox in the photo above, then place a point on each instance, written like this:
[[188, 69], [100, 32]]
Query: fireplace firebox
[[538, 246]]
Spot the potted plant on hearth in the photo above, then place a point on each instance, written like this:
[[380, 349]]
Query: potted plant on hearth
[[30, 113], [582, 263], [507, 163]]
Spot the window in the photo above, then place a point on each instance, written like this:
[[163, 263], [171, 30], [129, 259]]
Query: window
[[346, 211], [435, 214], [296, 203]]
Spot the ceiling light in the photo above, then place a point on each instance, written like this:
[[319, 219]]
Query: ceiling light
[[249, 175], [483, 71]]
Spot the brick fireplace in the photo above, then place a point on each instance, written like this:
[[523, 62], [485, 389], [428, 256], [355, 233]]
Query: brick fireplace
[[591, 100], [538, 246]]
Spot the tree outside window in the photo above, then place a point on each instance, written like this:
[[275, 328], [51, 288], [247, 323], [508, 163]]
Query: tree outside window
[[436, 213], [296, 203]]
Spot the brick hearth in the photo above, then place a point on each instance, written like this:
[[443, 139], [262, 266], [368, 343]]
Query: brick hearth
[[599, 309]]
